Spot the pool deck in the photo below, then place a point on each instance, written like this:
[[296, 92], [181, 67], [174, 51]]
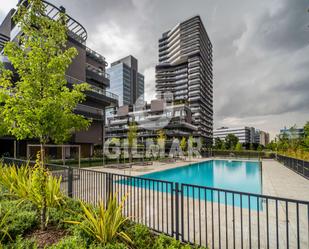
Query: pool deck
[[277, 180]]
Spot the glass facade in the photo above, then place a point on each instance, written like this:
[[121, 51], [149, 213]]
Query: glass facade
[[126, 82]]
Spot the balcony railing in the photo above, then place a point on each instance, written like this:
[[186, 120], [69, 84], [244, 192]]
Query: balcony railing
[[97, 71], [89, 109], [75, 29], [98, 90], [96, 55]]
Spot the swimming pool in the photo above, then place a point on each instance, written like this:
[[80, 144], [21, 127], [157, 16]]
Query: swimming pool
[[242, 176]]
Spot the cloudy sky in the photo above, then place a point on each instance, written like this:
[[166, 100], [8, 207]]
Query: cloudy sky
[[261, 50]]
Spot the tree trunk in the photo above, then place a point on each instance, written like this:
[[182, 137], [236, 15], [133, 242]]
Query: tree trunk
[[43, 191]]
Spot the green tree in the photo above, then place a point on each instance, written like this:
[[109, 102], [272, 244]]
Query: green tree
[[230, 141], [260, 147], [161, 138], [238, 146], [306, 135], [132, 135], [183, 144], [39, 104], [218, 143]]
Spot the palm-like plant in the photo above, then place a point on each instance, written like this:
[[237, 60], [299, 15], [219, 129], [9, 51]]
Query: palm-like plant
[[105, 224], [16, 180]]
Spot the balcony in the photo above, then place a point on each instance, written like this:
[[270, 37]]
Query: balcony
[[97, 90], [90, 111], [3, 40], [96, 56], [97, 75]]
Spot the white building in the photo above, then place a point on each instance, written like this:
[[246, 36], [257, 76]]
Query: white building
[[261, 137], [244, 134]]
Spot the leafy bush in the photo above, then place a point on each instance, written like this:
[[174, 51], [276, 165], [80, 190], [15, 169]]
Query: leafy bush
[[104, 225], [70, 210], [21, 243], [19, 217], [140, 235], [71, 242], [34, 184]]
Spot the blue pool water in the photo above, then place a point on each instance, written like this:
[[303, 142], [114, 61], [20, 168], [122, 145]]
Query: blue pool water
[[243, 176]]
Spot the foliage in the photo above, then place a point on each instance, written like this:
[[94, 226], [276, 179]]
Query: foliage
[[4, 233], [21, 243], [104, 226], [70, 210], [39, 104], [238, 146], [165, 242], [20, 217], [292, 145], [183, 144], [132, 135], [141, 236], [230, 141], [36, 185], [70, 242]]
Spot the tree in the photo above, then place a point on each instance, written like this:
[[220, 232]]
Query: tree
[[183, 144], [306, 135], [218, 143], [132, 134], [260, 147], [230, 141], [161, 140], [238, 146], [39, 105]]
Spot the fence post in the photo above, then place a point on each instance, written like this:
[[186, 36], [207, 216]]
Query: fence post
[[70, 182], [109, 187], [177, 210]]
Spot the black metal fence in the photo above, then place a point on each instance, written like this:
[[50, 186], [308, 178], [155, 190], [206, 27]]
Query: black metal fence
[[212, 217], [299, 166]]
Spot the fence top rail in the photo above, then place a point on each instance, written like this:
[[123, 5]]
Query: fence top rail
[[32, 162], [181, 184], [288, 157], [247, 193], [125, 176]]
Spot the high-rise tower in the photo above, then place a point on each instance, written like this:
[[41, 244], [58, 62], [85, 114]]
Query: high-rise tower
[[185, 69], [126, 81]]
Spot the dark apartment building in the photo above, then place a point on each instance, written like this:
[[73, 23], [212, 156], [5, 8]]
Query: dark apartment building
[[89, 66], [126, 81], [185, 69]]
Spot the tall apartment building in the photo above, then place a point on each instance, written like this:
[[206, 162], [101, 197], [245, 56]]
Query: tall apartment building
[[88, 66], [126, 81], [244, 134], [185, 69]]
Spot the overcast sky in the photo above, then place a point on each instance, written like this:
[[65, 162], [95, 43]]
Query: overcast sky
[[261, 50]]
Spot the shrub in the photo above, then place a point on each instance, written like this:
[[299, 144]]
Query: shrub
[[21, 243], [71, 242], [34, 184], [104, 225], [141, 236], [70, 210], [19, 217], [109, 246]]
